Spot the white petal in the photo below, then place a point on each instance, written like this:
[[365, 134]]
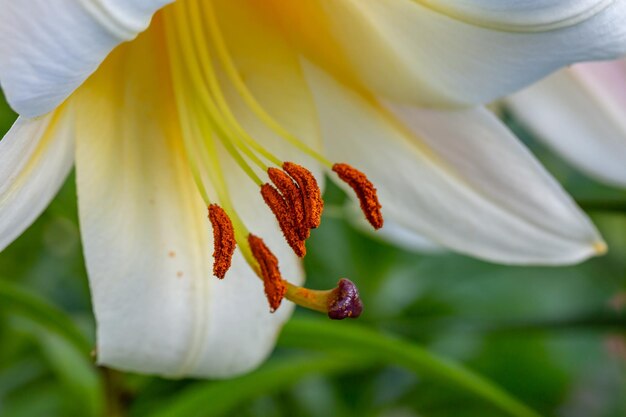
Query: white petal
[[459, 178], [146, 236], [581, 113], [414, 53], [35, 157], [393, 232], [521, 15], [49, 48]]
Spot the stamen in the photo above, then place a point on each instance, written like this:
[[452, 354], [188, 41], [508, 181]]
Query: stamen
[[275, 287], [240, 86], [293, 197], [312, 195], [213, 123], [285, 217], [224, 243], [339, 303], [365, 191], [240, 136]]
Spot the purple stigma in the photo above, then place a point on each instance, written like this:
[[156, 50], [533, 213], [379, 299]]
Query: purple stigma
[[345, 301]]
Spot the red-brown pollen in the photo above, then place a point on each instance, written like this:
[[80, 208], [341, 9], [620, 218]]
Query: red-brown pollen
[[294, 199], [311, 193], [275, 287], [285, 217], [224, 242], [364, 190]]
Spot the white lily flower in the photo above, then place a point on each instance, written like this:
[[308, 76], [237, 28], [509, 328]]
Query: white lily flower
[[212, 94], [580, 112]]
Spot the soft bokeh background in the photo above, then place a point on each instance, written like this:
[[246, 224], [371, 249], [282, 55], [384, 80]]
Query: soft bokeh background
[[554, 338]]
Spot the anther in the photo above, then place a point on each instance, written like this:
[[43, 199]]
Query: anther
[[285, 217], [275, 287], [312, 195], [224, 242], [364, 190], [293, 197]]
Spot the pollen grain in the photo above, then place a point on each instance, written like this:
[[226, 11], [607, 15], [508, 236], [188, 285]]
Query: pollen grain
[[224, 242], [275, 287], [294, 199], [364, 190], [285, 217], [312, 195]]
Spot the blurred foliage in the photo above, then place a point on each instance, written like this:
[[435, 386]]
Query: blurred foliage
[[550, 337]]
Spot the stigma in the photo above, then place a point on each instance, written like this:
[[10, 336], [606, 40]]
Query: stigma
[[338, 303]]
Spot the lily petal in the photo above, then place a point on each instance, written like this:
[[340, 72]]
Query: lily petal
[[459, 178], [523, 16], [393, 232], [271, 70], [581, 113], [35, 158], [49, 48], [146, 237], [442, 53]]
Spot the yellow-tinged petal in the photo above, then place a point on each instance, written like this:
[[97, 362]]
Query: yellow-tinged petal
[[436, 53], [522, 16], [146, 237], [270, 68], [459, 178], [35, 157]]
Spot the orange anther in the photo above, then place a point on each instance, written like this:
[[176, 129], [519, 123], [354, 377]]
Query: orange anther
[[292, 195], [223, 240], [312, 195], [285, 217], [365, 191], [275, 287]]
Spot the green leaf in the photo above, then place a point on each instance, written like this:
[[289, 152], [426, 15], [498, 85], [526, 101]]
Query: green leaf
[[210, 399], [16, 300], [83, 386], [333, 336]]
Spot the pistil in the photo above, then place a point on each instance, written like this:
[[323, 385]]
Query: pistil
[[338, 303]]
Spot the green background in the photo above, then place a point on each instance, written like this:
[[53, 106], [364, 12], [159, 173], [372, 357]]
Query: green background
[[442, 335]]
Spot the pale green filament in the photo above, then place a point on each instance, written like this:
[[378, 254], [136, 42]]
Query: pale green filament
[[248, 97]]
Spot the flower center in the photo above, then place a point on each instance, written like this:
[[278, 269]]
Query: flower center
[[198, 53]]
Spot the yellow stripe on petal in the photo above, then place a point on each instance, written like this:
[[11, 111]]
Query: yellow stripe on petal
[[35, 157], [146, 235]]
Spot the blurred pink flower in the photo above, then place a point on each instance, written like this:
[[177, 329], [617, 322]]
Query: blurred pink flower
[[581, 113]]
